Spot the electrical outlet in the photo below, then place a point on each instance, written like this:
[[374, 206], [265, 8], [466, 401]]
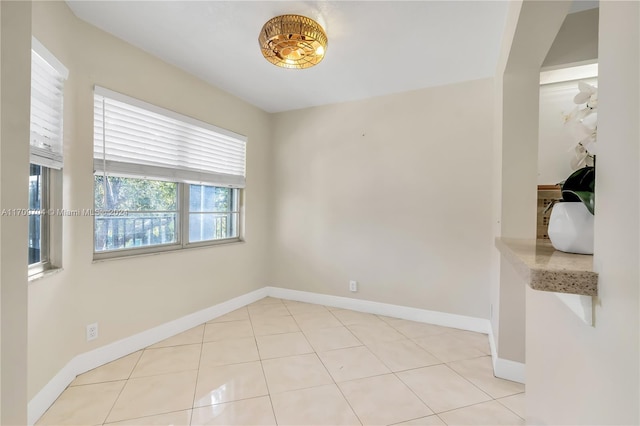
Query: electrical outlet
[[92, 331], [353, 286]]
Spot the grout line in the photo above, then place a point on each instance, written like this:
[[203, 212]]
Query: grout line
[[499, 402], [124, 385], [195, 386], [264, 375]]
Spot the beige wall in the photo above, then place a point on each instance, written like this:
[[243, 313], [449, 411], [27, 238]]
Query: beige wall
[[15, 86], [595, 370], [577, 40], [393, 192], [127, 296]]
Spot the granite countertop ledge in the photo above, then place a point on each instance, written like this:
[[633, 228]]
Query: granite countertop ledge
[[547, 269]]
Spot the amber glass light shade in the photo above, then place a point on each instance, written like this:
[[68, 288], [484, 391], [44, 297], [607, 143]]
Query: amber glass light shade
[[293, 41]]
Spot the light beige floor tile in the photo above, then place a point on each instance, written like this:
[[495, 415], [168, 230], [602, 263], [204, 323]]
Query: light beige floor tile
[[229, 352], [348, 317], [267, 301], [402, 355], [414, 329], [119, 369], [515, 403], [326, 339], [333, 308], [298, 308], [316, 321], [269, 310], [148, 396], [227, 330], [424, 421], [383, 400], [275, 325], [487, 413], [229, 383], [441, 388], [295, 372], [177, 418], [237, 315], [322, 405], [370, 333], [167, 360], [352, 363], [279, 345], [448, 347], [479, 371], [255, 411], [188, 337], [479, 341], [83, 405]]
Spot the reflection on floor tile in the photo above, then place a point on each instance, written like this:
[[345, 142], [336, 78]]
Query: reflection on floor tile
[[299, 364], [256, 411], [229, 383]]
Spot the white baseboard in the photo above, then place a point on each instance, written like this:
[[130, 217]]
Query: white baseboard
[[479, 325], [104, 354], [505, 368]]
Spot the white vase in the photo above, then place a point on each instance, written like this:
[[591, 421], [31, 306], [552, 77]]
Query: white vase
[[571, 228]]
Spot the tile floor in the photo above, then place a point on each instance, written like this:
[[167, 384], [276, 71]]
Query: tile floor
[[290, 363]]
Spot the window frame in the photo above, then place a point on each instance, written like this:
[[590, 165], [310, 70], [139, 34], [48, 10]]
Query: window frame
[[182, 229]]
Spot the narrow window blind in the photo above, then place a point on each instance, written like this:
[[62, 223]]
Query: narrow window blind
[[136, 139], [47, 84]]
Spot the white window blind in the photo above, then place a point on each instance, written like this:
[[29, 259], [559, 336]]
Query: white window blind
[[137, 139], [47, 83]]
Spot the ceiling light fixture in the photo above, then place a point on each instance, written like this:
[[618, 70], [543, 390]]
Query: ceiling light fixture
[[293, 41]]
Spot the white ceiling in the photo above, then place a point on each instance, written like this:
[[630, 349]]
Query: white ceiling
[[375, 48]]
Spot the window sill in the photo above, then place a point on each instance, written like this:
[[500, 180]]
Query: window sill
[[178, 249], [44, 274]]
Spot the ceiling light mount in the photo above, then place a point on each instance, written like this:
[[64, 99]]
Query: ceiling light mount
[[293, 41]]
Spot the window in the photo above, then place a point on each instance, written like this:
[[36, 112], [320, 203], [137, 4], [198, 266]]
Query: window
[[38, 247], [213, 213], [47, 84], [163, 181]]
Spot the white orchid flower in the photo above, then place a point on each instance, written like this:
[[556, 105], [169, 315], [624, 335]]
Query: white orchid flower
[[582, 122]]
